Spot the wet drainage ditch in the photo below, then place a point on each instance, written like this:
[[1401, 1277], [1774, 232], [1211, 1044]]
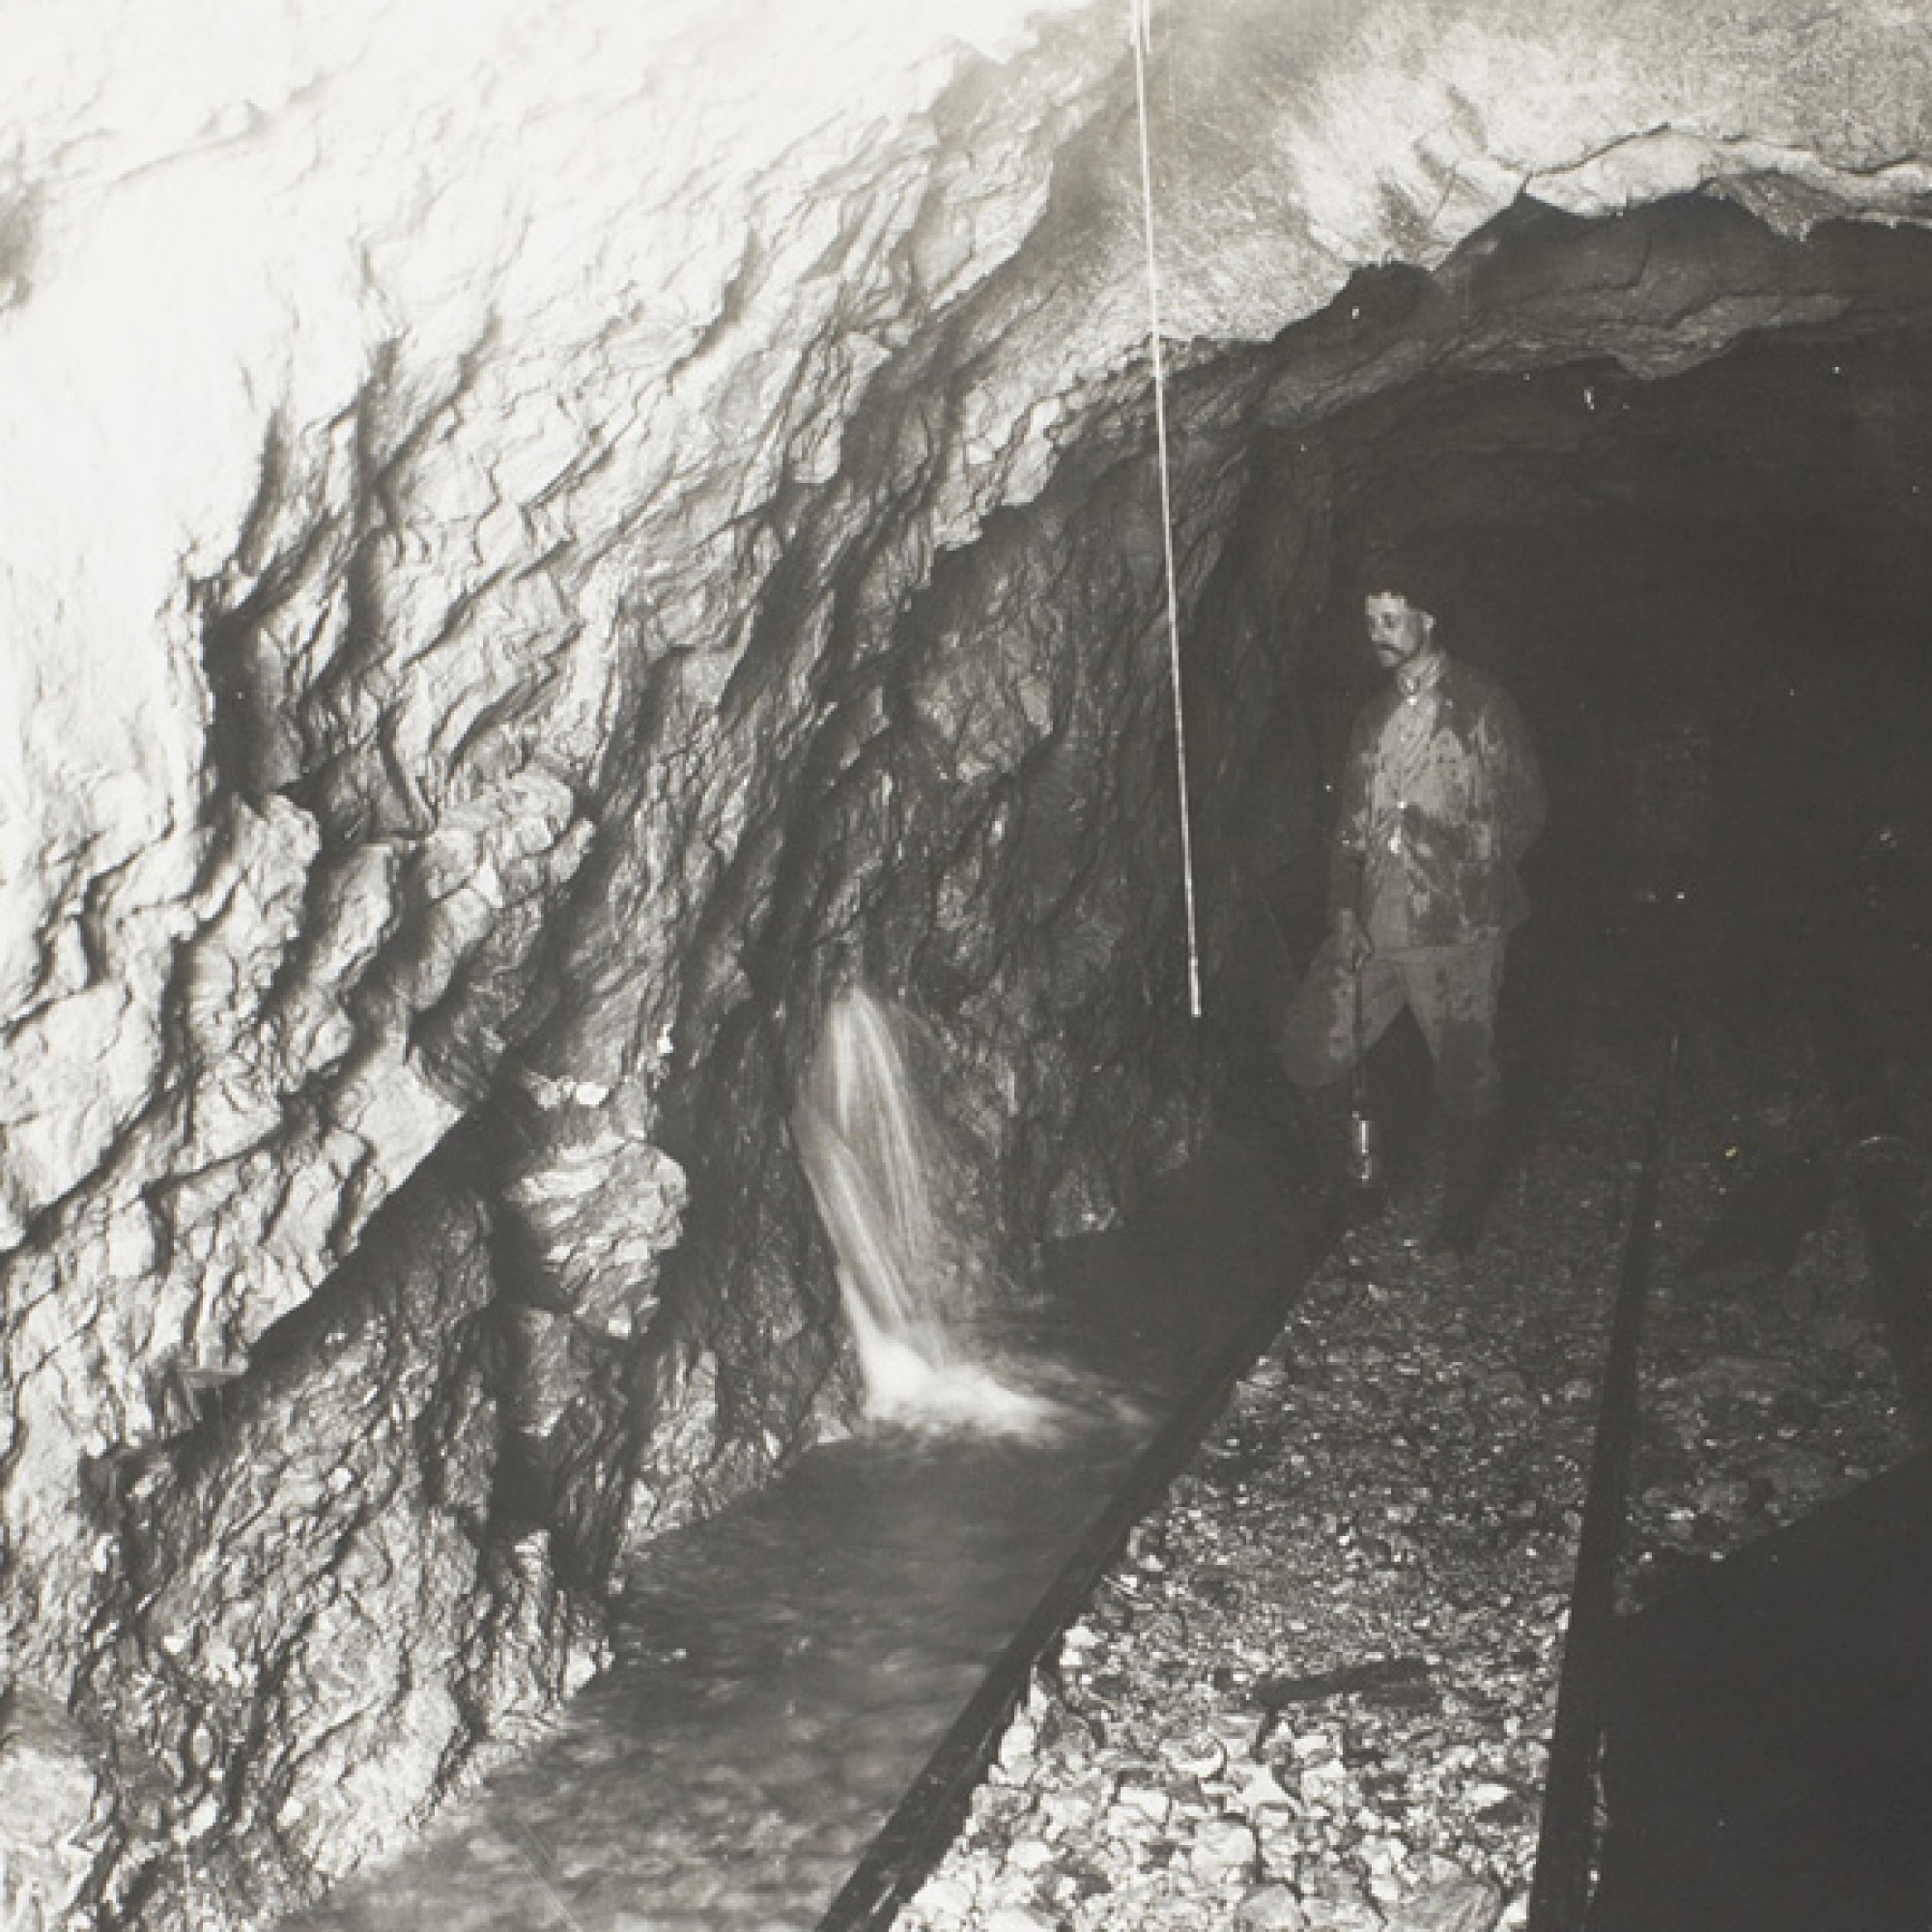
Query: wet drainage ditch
[[808, 1685]]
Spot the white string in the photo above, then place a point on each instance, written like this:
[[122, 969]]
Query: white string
[[1141, 30]]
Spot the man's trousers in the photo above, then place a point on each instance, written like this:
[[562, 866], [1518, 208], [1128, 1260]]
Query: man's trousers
[[1452, 990]]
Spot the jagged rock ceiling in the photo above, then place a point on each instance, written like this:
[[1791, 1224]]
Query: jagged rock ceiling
[[540, 537]]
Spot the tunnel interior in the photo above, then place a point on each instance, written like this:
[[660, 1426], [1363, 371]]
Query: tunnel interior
[[1661, 471], [560, 703], [1726, 550]]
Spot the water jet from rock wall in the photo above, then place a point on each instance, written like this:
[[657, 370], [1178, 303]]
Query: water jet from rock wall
[[887, 1190]]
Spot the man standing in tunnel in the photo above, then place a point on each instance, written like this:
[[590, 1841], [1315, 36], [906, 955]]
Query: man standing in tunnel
[[1440, 796]]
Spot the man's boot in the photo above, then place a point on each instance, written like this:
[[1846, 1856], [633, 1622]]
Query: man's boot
[[1475, 1160]]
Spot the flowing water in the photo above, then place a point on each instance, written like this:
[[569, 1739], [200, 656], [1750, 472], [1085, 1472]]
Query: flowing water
[[787, 1669], [890, 1194]]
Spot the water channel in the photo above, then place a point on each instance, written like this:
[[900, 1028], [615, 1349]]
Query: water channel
[[787, 1669]]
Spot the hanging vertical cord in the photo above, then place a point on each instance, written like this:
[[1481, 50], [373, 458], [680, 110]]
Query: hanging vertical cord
[[1142, 32]]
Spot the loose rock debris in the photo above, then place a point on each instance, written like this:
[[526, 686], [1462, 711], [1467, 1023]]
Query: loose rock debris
[[1314, 1693]]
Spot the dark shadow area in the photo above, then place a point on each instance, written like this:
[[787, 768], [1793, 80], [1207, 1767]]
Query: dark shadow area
[[1768, 1763], [1707, 585]]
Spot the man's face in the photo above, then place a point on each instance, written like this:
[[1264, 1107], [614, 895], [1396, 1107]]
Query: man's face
[[1397, 630]]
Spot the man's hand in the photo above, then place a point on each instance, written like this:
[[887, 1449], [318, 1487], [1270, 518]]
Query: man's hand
[[1353, 942]]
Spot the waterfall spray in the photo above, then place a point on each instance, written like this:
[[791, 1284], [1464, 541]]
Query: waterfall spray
[[885, 1183]]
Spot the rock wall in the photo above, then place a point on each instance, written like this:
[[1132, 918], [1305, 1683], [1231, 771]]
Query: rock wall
[[539, 539], [319, 1628]]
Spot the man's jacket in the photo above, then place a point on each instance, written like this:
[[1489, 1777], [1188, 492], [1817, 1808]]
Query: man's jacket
[[1436, 809]]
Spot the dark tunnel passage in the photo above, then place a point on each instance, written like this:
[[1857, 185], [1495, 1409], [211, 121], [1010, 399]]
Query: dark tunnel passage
[[1661, 472], [1739, 549], [1724, 563]]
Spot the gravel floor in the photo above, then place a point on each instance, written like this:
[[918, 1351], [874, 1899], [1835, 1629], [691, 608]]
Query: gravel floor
[[1316, 1691]]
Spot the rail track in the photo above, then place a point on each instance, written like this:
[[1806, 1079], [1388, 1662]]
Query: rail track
[[926, 1819], [1880, 1167], [1883, 1169]]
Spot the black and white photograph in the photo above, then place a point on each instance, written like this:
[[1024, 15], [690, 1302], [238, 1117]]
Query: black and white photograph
[[966, 965]]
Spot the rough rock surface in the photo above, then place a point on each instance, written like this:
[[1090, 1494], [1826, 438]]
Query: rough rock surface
[[539, 541], [308, 1604]]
